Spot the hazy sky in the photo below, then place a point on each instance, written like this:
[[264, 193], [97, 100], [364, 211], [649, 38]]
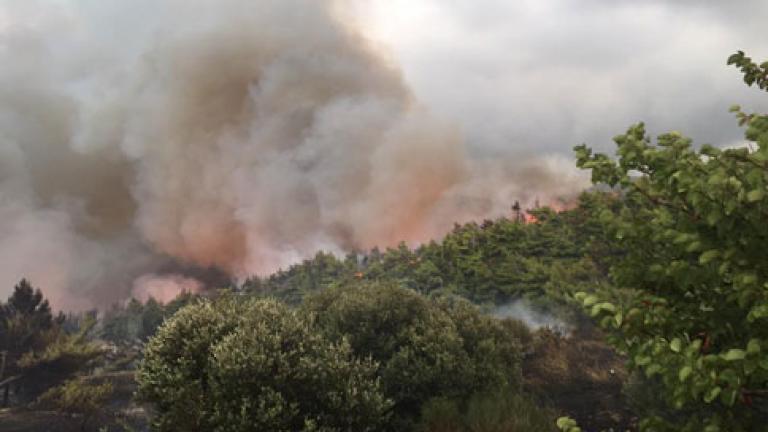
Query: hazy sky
[[544, 75]]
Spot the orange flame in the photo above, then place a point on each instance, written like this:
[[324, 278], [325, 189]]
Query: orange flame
[[529, 218]]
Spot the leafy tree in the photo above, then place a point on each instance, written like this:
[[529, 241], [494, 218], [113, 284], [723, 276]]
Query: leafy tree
[[152, 316], [692, 225], [425, 349], [125, 324], [29, 302], [24, 320], [239, 365]]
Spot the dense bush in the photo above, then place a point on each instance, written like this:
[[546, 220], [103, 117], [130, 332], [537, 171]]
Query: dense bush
[[243, 365], [425, 348]]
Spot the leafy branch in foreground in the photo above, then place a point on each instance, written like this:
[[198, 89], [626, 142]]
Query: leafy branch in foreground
[[692, 224], [753, 73]]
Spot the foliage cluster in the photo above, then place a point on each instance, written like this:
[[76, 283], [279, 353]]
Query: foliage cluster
[[424, 348], [503, 411], [136, 321], [26, 324], [692, 223], [256, 365], [78, 397], [351, 358], [38, 352], [489, 263]]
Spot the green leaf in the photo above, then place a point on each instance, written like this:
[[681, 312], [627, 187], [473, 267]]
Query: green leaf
[[590, 300], [734, 355], [653, 370], [618, 319], [755, 195], [757, 312], [712, 394], [708, 256], [684, 373], [764, 364], [728, 396], [605, 306], [641, 360], [675, 345], [753, 346]]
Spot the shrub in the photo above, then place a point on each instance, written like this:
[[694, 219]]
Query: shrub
[[424, 348], [487, 412], [78, 397], [256, 365]]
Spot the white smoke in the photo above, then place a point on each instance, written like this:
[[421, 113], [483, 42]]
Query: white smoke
[[523, 311], [236, 134]]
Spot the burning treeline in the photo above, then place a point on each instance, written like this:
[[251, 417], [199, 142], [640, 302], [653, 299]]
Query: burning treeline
[[142, 139]]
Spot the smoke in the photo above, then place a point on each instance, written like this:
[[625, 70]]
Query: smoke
[[143, 140], [164, 288], [523, 311]]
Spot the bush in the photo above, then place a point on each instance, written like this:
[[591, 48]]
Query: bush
[[425, 348], [64, 356], [236, 365], [78, 397], [494, 412]]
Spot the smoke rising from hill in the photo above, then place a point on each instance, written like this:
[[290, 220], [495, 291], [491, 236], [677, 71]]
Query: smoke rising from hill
[[238, 135]]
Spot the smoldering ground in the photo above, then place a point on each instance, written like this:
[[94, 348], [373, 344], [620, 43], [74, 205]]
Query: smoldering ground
[[239, 135]]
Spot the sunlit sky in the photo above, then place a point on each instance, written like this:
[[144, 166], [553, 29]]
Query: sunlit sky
[[544, 75]]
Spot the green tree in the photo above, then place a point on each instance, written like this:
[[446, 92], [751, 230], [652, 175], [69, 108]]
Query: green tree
[[152, 315], [692, 225], [24, 319], [26, 325], [425, 348], [64, 356], [248, 365]]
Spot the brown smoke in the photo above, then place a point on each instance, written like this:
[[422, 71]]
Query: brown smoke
[[237, 134]]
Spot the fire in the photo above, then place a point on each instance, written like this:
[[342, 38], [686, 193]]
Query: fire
[[529, 218], [557, 205]]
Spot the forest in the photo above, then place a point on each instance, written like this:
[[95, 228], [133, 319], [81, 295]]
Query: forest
[[640, 306]]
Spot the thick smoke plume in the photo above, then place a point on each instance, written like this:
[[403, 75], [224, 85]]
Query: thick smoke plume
[[141, 140]]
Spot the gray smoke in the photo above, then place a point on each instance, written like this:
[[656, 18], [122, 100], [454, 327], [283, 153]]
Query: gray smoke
[[238, 135], [523, 311]]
